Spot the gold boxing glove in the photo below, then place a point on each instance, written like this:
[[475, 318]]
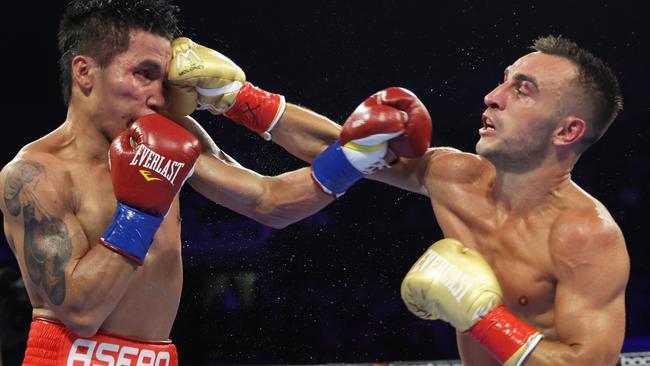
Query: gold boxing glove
[[201, 78], [454, 283]]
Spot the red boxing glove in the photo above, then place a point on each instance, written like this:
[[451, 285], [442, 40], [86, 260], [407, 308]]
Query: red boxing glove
[[373, 120], [416, 138], [363, 144], [150, 161], [257, 109]]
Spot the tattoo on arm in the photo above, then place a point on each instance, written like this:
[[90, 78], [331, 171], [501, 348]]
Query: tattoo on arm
[[47, 242], [47, 251], [21, 174]]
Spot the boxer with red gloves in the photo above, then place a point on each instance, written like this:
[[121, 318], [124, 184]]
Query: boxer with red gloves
[[92, 210]]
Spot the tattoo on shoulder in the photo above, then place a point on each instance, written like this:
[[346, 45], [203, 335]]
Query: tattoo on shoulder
[[21, 174], [47, 242]]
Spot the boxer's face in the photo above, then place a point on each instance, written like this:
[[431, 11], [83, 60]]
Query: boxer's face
[[523, 111], [133, 84]]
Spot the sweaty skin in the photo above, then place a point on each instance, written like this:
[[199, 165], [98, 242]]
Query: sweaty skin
[[559, 256], [58, 199], [552, 260]]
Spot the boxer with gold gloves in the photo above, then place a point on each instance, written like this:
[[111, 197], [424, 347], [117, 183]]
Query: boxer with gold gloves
[[539, 256], [555, 252], [201, 78], [454, 283]]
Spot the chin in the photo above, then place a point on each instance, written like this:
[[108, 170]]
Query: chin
[[480, 148]]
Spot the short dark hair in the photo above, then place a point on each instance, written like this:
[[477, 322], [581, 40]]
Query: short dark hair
[[100, 28], [597, 80]]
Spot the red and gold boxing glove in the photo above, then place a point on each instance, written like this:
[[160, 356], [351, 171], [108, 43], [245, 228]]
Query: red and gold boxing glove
[[202, 78], [150, 161], [415, 139], [392, 118], [454, 283]]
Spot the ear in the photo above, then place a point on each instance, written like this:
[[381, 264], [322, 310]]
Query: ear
[[83, 73], [569, 131]]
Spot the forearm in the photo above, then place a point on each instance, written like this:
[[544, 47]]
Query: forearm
[[95, 285], [549, 353], [304, 133], [290, 197]]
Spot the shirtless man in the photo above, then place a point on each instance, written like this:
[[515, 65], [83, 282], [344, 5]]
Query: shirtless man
[[97, 240], [533, 269], [559, 261]]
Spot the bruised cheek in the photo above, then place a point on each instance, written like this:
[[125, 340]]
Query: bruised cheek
[[128, 88]]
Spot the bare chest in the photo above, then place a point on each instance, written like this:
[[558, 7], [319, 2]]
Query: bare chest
[[515, 246], [523, 267], [93, 200], [150, 303], [94, 205]]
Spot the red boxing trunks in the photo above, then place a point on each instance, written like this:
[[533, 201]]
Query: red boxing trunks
[[50, 343]]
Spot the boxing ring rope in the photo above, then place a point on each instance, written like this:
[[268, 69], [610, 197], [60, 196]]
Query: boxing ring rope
[[627, 359]]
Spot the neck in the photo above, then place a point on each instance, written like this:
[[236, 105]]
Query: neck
[[524, 190], [84, 136]]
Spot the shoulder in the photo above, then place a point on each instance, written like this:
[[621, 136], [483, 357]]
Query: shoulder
[[33, 173], [588, 237], [454, 166]]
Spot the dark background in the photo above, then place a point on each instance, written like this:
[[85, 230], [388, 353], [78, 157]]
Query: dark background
[[326, 289]]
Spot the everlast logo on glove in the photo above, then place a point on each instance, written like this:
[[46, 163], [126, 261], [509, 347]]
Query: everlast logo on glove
[[149, 159]]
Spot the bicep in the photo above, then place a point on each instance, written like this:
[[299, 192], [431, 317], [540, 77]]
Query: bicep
[[45, 234], [52, 245], [437, 169], [407, 174], [590, 304]]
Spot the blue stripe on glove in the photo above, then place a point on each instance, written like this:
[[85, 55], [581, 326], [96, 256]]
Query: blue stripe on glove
[[333, 170]]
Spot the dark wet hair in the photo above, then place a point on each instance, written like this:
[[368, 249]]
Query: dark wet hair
[[596, 79], [100, 29]]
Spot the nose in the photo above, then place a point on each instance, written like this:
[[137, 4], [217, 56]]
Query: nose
[[496, 98], [158, 98]]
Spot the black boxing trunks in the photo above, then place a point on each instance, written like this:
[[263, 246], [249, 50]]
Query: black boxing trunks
[[50, 343]]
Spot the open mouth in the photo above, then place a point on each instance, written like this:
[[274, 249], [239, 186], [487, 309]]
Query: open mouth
[[487, 123]]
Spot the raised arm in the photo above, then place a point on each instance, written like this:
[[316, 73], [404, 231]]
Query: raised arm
[[281, 200], [202, 78], [304, 133], [275, 201], [59, 265]]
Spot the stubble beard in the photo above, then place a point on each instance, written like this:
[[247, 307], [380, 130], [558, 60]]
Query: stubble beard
[[516, 154]]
